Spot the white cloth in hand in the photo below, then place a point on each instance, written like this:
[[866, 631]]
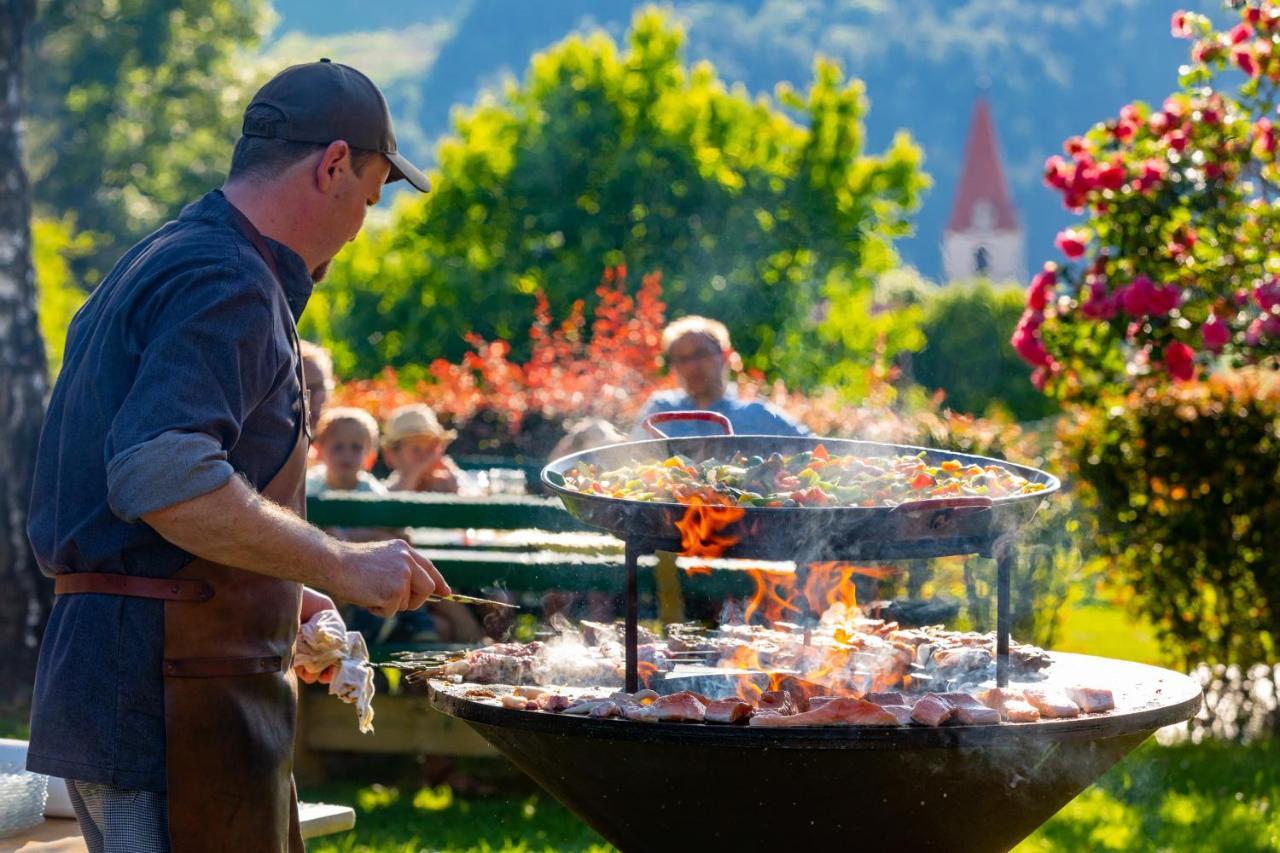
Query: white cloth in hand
[[324, 641]]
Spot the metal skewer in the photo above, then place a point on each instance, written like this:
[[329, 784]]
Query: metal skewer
[[471, 599]]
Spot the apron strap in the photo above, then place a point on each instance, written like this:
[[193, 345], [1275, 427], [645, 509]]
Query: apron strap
[[169, 589]]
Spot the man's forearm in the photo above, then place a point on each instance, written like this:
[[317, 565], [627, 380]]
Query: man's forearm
[[236, 526]]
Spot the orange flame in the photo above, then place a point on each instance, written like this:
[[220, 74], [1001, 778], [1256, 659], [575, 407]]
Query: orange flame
[[701, 529], [774, 595], [850, 658], [646, 670]]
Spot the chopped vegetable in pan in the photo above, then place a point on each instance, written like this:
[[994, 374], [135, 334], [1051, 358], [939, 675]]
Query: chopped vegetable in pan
[[810, 478]]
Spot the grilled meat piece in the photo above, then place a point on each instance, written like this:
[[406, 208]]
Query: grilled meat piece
[[931, 710], [961, 659], [584, 707], [1092, 700], [902, 713], [799, 690], [728, 711], [492, 668], [513, 702], [883, 699], [969, 711], [837, 712], [605, 709], [1051, 703], [776, 700], [1009, 704], [679, 707], [553, 702]]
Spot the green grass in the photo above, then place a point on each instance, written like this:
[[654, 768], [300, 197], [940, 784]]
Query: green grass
[[1212, 797], [1215, 798], [1106, 630], [391, 820]]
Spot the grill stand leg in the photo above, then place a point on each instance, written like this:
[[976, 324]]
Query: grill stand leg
[[1006, 560], [633, 612]]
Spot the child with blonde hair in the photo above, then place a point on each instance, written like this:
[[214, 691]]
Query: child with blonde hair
[[346, 442]]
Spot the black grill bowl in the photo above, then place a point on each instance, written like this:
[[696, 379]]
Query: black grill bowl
[[681, 786]]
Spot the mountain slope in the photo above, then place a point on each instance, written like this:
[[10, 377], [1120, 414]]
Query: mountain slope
[[1049, 69]]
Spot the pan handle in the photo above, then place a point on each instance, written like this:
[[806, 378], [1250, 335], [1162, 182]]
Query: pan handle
[[935, 514], [650, 424]]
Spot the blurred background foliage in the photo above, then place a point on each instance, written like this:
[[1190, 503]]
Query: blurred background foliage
[[755, 210], [133, 107]]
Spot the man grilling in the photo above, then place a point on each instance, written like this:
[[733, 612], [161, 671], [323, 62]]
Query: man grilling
[[169, 488]]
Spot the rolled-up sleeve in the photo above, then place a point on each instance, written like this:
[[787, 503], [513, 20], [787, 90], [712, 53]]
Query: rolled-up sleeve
[[207, 358]]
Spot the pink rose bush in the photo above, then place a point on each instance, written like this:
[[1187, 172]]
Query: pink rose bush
[[1174, 267]]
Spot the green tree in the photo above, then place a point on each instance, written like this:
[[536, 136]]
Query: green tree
[[54, 248], [134, 106], [758, 212], [967, 327]]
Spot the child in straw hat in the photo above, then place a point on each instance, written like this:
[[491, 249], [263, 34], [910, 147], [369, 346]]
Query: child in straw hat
[[414, 447]]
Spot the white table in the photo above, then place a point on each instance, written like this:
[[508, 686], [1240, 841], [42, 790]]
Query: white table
[[62, 835]]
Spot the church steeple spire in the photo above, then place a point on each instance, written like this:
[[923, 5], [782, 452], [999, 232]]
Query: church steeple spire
[[983, 236]]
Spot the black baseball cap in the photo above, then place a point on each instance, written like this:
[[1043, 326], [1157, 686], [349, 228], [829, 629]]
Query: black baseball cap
[[319, 102]]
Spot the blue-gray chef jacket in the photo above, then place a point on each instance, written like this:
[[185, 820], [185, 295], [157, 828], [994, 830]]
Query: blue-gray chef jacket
[[179, 374]]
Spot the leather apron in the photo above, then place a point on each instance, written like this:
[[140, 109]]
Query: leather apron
[[230, 694]]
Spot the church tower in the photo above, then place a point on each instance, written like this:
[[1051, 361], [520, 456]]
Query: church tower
[[983, 238]]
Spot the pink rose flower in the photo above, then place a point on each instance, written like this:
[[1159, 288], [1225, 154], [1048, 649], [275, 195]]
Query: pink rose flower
[[1267, 295], [1244, 59], [1027, 342], [1041, 284], [1165, 299], [1215, 334], [1153, 172], [1179, 361], [1072, 242], [1112, 176], [1253, 334], [1100, 304], [1056, 172], [1138, 296]]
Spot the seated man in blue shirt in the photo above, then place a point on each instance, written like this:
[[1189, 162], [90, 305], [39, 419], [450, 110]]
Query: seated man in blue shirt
[[699, 352]]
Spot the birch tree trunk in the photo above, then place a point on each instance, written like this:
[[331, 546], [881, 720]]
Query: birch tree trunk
[[23, 592]]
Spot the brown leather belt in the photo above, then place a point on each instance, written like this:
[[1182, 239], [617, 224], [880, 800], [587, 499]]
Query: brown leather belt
[[221, 667], [175, 589]]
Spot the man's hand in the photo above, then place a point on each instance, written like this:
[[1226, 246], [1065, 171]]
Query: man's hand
[[236, 526], [312, 603], [386, 577]]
